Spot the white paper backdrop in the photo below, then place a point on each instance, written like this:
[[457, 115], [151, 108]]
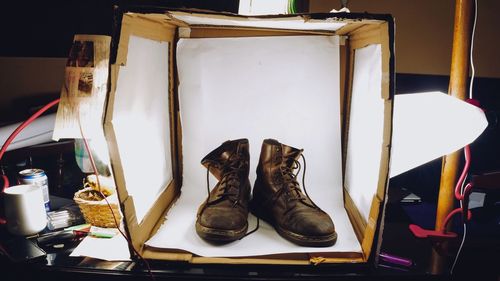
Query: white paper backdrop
[[141, 109], [366, 123], [285, 88]]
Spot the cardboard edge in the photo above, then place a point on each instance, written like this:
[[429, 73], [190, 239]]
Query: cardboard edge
[[347, 18], [349, 28], [122, 49], [371, 228], [139, 232], [343, 70], [357, 220], [228, 31], [362, 37], [366, 35], [386, 59], [83, 37], [378, 202], [293, 258]]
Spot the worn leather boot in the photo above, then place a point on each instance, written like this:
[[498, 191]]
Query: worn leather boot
[[278, 199], [223, 216]]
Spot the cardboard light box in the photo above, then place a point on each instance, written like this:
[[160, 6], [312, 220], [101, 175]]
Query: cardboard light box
[[184, 82]]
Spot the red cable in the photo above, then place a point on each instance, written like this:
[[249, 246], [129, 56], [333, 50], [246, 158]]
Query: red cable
[[459, 195], [467, 190], [460, 181], [451, 214], [18, 130]]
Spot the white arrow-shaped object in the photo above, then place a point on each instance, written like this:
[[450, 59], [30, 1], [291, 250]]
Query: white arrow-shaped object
[[429, 125]]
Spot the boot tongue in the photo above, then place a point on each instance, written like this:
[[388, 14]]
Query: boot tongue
[[290, 155], [233, 149], [221, 156], [225, 156]]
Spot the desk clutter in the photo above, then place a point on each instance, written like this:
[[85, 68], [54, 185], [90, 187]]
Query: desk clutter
[[64, 217], [98, 202]]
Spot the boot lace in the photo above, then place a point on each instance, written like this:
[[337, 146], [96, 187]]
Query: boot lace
[[230, 183], [290, 185]]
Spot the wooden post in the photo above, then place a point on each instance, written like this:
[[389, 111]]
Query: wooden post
[[459, 75]]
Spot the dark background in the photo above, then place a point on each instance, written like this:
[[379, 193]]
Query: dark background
[[46, 28]]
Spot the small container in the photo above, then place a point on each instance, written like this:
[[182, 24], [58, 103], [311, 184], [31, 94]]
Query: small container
[[39, 178]]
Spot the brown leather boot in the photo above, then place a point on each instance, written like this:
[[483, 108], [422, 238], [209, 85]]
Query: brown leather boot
[[278, 199], [223, 216]]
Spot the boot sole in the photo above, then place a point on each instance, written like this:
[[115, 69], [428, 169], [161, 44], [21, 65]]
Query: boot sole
[[299, 239], [307, 241], [220, 236]]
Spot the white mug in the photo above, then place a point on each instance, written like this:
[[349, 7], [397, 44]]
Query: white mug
[[24, 209]]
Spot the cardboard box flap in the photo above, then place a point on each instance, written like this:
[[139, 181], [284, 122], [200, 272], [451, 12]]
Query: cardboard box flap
[[368, 128], [138, 126], [276, 22]]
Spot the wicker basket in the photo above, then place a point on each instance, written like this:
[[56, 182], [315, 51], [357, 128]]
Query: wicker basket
[[97, 213]]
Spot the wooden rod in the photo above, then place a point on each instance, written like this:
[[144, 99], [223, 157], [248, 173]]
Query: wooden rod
[[459, 75]]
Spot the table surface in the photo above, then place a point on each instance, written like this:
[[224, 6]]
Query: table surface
[[397, 240]]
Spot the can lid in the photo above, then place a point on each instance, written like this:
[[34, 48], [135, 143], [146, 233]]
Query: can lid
[[28, 173]]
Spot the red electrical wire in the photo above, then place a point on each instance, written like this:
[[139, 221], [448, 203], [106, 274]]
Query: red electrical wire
[[18, 130], [458, 194], [13, 135], [451, 214], [467, 190]]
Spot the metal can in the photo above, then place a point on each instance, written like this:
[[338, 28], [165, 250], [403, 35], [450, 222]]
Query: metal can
[[39, 178]]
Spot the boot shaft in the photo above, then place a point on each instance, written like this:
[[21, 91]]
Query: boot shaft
[[275, 158], [230, 154], [278, 198]]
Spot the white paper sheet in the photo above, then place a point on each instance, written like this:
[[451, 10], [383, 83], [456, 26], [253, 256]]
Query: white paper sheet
[[141, 109], [296, 23], [285, 88], [366, 123], [109, 249]]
